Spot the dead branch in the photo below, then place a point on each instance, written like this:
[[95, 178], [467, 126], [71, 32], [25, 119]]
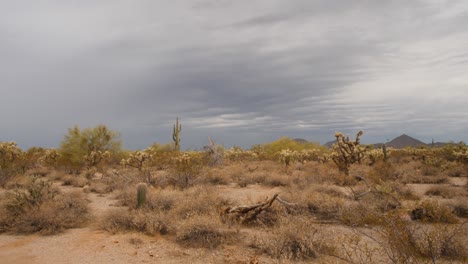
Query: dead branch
[[246, 213]]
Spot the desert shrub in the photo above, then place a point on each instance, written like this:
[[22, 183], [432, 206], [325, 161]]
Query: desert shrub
[[401, 241], [382, 171], [356, 214], [433, 211], [10, 154], [457, 170], [120, 220], [187, 166], [459, 208], [425, 179], [196, 201], [271, 150], [202, 232], [98, 187], [320, 202], [441, 241], [75, 181], [213, 176], [445, 191], [41, 208], [294, 239], [80, 143]]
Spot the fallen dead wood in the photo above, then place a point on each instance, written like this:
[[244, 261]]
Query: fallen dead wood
[[247, 213]]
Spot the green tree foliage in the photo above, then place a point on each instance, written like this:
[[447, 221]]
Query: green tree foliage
[[271, 150], [80, 143]]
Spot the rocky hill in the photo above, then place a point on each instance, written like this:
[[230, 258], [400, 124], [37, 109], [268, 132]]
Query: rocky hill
[[404, 141]]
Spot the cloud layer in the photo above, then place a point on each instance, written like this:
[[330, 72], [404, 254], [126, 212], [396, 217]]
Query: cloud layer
[[243, 72]]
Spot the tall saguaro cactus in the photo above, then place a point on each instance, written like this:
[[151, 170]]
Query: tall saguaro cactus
[[176, 134]]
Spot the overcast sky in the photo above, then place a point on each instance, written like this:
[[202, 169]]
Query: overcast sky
[[242, 72]]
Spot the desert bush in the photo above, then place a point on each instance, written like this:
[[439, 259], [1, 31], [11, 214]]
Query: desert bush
[[120, 220], [271, 150], [80, 143], [75, 181], [295, 240], [434, 212], [445, 191], [10, 154], [187, 167], [202, 232], [441, 241], [41, 208], [459, 208]]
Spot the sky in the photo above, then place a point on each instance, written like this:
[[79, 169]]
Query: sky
[[243, 72]]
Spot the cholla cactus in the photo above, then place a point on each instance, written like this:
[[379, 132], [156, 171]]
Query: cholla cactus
[[95, 157], [50, 157], [286, 156], [137, 159], [187, 165], [346, 152], [374, 155], [9, 153], [462, 155], [307, 155], [238, 154]]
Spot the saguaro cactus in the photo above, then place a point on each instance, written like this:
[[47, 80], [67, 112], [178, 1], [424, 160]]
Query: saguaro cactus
[[141, 194], [176, 134]]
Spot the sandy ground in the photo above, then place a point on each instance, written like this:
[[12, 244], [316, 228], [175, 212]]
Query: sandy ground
[[90, 245]]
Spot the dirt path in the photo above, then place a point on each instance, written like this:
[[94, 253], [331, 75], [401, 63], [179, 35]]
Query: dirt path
[[90, 245]]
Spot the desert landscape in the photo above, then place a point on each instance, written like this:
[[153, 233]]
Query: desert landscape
[[287, 201], [245, 132]]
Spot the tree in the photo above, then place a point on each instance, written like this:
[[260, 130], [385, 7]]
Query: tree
[[80, 143]]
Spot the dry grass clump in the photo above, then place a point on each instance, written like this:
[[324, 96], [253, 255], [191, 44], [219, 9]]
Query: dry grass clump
[[445, 191], [143, 221], [434, 212], [414, 178], [356, 214], [75, 181], [41, 208], [17, 181], [202, 232], [321, 202], [442, 241], [459, 208], [39, 172], [295, 240], [98, 187], [402, 241], [163, 209], [382, 171]]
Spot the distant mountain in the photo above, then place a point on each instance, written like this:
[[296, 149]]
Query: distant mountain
[[404, 141], [329, 144], [301, 140]]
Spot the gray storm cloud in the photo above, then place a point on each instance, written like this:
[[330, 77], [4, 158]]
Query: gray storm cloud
[[243, 72]]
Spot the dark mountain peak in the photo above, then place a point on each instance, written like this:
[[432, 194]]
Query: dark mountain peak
[[301, 140], [404, 141]]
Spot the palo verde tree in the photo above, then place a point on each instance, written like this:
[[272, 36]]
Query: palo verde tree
[[78, 144]]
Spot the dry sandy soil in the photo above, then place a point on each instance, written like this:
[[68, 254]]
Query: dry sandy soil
[[91, 245]]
